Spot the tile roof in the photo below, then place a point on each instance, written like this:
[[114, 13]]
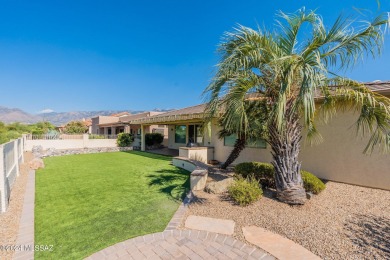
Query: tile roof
[[187, 113], [196, 112]]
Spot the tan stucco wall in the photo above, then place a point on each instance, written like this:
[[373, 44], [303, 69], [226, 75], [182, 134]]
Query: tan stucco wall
[[71, 143], [340, 157]]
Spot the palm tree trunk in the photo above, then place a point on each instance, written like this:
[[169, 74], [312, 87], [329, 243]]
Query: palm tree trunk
[[285, 145], [239, 145]]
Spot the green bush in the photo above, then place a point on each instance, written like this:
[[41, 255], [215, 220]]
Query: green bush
[[265, 174], [153, 139], [124, 139], [311, 183], [262, 172], [75, 127], [92, 136], [245, 191]]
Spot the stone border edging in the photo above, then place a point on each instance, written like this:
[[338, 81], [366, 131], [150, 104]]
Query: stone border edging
[[61, 152], [177, 218], [25, 238]]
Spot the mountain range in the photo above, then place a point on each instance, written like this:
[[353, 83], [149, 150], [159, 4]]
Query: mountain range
[[11, 115]]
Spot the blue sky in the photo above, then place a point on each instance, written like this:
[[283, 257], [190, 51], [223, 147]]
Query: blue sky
[[116, 55]]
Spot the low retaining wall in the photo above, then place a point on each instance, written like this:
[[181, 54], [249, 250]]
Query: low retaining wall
[[39, 152], [199, 171], [85, 142]]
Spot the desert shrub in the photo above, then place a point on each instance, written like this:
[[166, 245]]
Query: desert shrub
[[75, 127], [311, 183], [262, 172], [245, 191], [93, 136], [124, 139], [153, 139], [265, 174]]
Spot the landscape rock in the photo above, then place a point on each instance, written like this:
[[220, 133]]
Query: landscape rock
[[218, 187], [36, 163], [40, 153], [309, 195], [37, 151]]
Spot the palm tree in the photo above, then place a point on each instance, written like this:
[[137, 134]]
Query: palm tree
[[289, 71], [255, 113]]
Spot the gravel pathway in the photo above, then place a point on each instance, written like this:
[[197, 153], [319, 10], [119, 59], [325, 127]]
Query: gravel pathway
[[343, 222], [9, 221]]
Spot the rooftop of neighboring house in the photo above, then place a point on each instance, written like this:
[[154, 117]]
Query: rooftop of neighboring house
[[121, 114], [187, 113], [124, 118], [196, 112]]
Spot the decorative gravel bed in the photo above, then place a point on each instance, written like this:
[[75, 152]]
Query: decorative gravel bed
[[343, 222], [9, 221]]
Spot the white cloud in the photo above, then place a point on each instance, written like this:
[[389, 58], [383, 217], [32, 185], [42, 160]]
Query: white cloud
[[47, 110]]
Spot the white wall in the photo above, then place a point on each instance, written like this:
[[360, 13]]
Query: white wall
[[71, 143], [11, 157]]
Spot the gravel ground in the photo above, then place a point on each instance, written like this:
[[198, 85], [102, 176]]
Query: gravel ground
[[9, 221], [343, 222]]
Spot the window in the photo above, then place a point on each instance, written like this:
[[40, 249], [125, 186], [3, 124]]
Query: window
[[229, 140], [256, 143], [180, 134], [195, 134]]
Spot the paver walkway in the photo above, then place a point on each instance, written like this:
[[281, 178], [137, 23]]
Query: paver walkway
[[280, 247], [220, 226], [181, 244]]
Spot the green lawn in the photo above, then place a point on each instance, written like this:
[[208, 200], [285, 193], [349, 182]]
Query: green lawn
[[85, 203]]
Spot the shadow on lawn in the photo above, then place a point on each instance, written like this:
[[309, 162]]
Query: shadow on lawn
[[173, 182], [151, 155], [369, 232]]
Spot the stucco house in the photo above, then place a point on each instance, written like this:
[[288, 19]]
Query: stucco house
[[339, 158], [122, 123]]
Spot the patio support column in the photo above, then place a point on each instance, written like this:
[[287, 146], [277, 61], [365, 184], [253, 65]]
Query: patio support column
[[105, 131], [142, 138], [113, 130], [127, 129]]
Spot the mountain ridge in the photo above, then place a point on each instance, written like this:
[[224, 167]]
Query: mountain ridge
[[12, 115]]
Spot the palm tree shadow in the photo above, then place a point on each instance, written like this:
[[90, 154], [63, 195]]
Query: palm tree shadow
[[370, 232], [175, 183]]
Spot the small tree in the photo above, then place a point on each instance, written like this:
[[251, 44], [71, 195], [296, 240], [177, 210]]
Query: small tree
[[75, 127], [124, 139], [153, 139]]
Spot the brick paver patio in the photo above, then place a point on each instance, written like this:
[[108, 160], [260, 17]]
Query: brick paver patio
[[181, 244]]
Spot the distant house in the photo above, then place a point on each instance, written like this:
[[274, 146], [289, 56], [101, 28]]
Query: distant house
[[338, 158], [122, 123]]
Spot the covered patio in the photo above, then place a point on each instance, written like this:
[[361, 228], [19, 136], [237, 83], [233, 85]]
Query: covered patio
[[186, 134]]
